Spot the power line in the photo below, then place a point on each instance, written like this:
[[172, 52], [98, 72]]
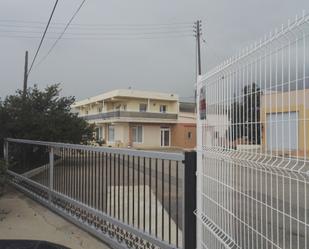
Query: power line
[[103, 24], [98, 28], [187, 27], [101, 38], [37, 52], [100, 33], [65, 29]]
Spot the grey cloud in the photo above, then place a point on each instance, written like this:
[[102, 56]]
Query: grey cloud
[[87, 68]]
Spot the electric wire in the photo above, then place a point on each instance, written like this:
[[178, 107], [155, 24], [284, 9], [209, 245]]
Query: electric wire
[[94, 31], [102, 25], [61, 35], [99, 33], [99, 28], [42, 39], [102, 38]]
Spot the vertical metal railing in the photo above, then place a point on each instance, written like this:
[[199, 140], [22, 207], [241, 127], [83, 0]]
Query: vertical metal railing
[[190, 200], [51, 174], [6, 151], [128, 198], [253, 141]]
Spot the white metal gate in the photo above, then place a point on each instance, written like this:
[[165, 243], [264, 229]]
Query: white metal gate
[[252, 187]]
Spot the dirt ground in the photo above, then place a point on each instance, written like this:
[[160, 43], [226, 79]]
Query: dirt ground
[[22, 218]]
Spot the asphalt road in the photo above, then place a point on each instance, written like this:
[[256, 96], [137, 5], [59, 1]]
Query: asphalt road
[[93, 181]]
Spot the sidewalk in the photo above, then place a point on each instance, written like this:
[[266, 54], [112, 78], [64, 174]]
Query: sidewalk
[[22, 218]]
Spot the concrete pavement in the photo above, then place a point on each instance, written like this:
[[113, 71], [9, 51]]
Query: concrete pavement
[[23, 218]]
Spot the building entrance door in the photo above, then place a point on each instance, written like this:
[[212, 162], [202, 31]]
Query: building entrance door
[[165, 137]]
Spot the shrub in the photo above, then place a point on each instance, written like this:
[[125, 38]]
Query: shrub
[[42, 115]]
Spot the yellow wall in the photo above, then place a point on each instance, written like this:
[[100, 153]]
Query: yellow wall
[[151, 135], [155, 106], [295, 101], [121, 135]]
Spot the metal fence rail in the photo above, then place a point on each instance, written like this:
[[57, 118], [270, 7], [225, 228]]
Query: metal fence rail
[[253, 145], [128, 198]]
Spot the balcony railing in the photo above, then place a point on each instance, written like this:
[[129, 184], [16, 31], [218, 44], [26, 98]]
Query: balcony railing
[[130, 114]]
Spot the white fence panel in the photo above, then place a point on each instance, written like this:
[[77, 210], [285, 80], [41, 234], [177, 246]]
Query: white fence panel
[[253, 145]]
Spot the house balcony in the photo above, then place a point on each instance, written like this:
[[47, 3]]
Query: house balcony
[[131, 116]]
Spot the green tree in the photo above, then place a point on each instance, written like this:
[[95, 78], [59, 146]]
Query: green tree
[[245, 115], [251, 107], [42, 115]]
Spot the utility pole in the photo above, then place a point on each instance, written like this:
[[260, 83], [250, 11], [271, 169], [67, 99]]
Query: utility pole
[[198, 32], [25, 74]]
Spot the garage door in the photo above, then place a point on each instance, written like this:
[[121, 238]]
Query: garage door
[[282, 131]]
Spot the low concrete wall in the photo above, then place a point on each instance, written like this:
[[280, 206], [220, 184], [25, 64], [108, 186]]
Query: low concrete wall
[[37, 171]]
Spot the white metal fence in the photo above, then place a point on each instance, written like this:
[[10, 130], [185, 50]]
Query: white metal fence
[[253, 145], [127, 198]]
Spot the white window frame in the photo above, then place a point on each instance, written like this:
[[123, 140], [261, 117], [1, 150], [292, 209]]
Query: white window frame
[[145, 108], [97, 133], [99, 130], [136, 127], [169, 137], [161, 110], [108, 135], [274, 122], [117, 107]]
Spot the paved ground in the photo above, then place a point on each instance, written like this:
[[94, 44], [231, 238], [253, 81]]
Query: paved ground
[[91, 180], [155, 220], [22, 218]]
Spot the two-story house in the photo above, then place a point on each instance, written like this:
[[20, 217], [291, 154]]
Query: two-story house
[[133, 118]]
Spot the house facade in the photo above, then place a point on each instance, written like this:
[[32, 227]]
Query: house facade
[[284, 116], [139, 119], [184, 131]]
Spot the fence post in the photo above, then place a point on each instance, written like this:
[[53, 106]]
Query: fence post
[[189, 201], [6, 151], [51, 173]]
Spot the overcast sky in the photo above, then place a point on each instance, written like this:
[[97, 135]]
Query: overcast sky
[[87, 67]]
